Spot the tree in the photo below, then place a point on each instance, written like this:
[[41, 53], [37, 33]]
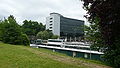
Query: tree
[[54, 37], [31, 28], [43, 35], [93, 35], [0, 30], [10, 31], [108, 12], [25, 40], [46, 35]]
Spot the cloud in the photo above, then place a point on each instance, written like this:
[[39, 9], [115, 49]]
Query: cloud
[[38, 10]]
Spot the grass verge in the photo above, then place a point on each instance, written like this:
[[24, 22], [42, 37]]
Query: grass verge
[[17, 56]]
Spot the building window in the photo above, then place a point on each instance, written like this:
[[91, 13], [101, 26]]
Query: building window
[[50, 24], [51, 30], [50, 27], [51, 21], [51, 18]]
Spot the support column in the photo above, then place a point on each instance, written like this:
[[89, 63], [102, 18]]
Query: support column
[[70, 39]]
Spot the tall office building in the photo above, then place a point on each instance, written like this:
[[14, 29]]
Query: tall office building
[[63, 26]]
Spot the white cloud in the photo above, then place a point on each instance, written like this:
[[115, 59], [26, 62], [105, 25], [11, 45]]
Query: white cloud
[[39, 9]]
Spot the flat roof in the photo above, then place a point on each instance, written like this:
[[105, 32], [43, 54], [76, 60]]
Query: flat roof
[[78, 46], [70, 49], [73, 19], [67, 17], [55, 13]]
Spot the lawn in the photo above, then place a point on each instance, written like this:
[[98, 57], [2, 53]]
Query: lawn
[[18, 56]]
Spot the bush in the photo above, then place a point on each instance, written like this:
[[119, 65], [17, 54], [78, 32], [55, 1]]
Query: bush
[[112, 54], [55, 37], [44, 35], [25, 40], [11, 33]]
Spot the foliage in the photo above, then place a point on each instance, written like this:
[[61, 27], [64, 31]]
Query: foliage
[[108, 12], [46, 35], [54, 37], [12, 56], [93, 35], [43, 35], [0, 30], [10, 31], [25, 40], [32, 27]]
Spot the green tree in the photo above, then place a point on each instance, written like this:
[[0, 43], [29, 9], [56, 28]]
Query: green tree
[[0, 30], [43, 35], [93, 35], [31, 28], [108, 12], [10, 31], [54, 37], [25, 40], [46, 35]]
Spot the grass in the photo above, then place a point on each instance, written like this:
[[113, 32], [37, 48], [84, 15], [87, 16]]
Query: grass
[[17, 56]]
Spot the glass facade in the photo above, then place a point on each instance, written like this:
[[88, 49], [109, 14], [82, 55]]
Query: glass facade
[[71, 27]]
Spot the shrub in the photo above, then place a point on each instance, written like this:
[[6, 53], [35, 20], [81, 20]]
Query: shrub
[[25, 40]]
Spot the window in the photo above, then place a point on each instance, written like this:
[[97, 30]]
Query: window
[[51, 18], [51, 30], [51, 21], [50, 24], [50, 27]]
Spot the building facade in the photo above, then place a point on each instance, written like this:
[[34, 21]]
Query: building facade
[[64, 27]]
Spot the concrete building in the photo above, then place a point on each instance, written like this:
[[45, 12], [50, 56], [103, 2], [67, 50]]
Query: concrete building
[[64, 27]]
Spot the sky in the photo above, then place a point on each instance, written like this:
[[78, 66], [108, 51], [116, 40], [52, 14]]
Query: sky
[[38, 10]]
